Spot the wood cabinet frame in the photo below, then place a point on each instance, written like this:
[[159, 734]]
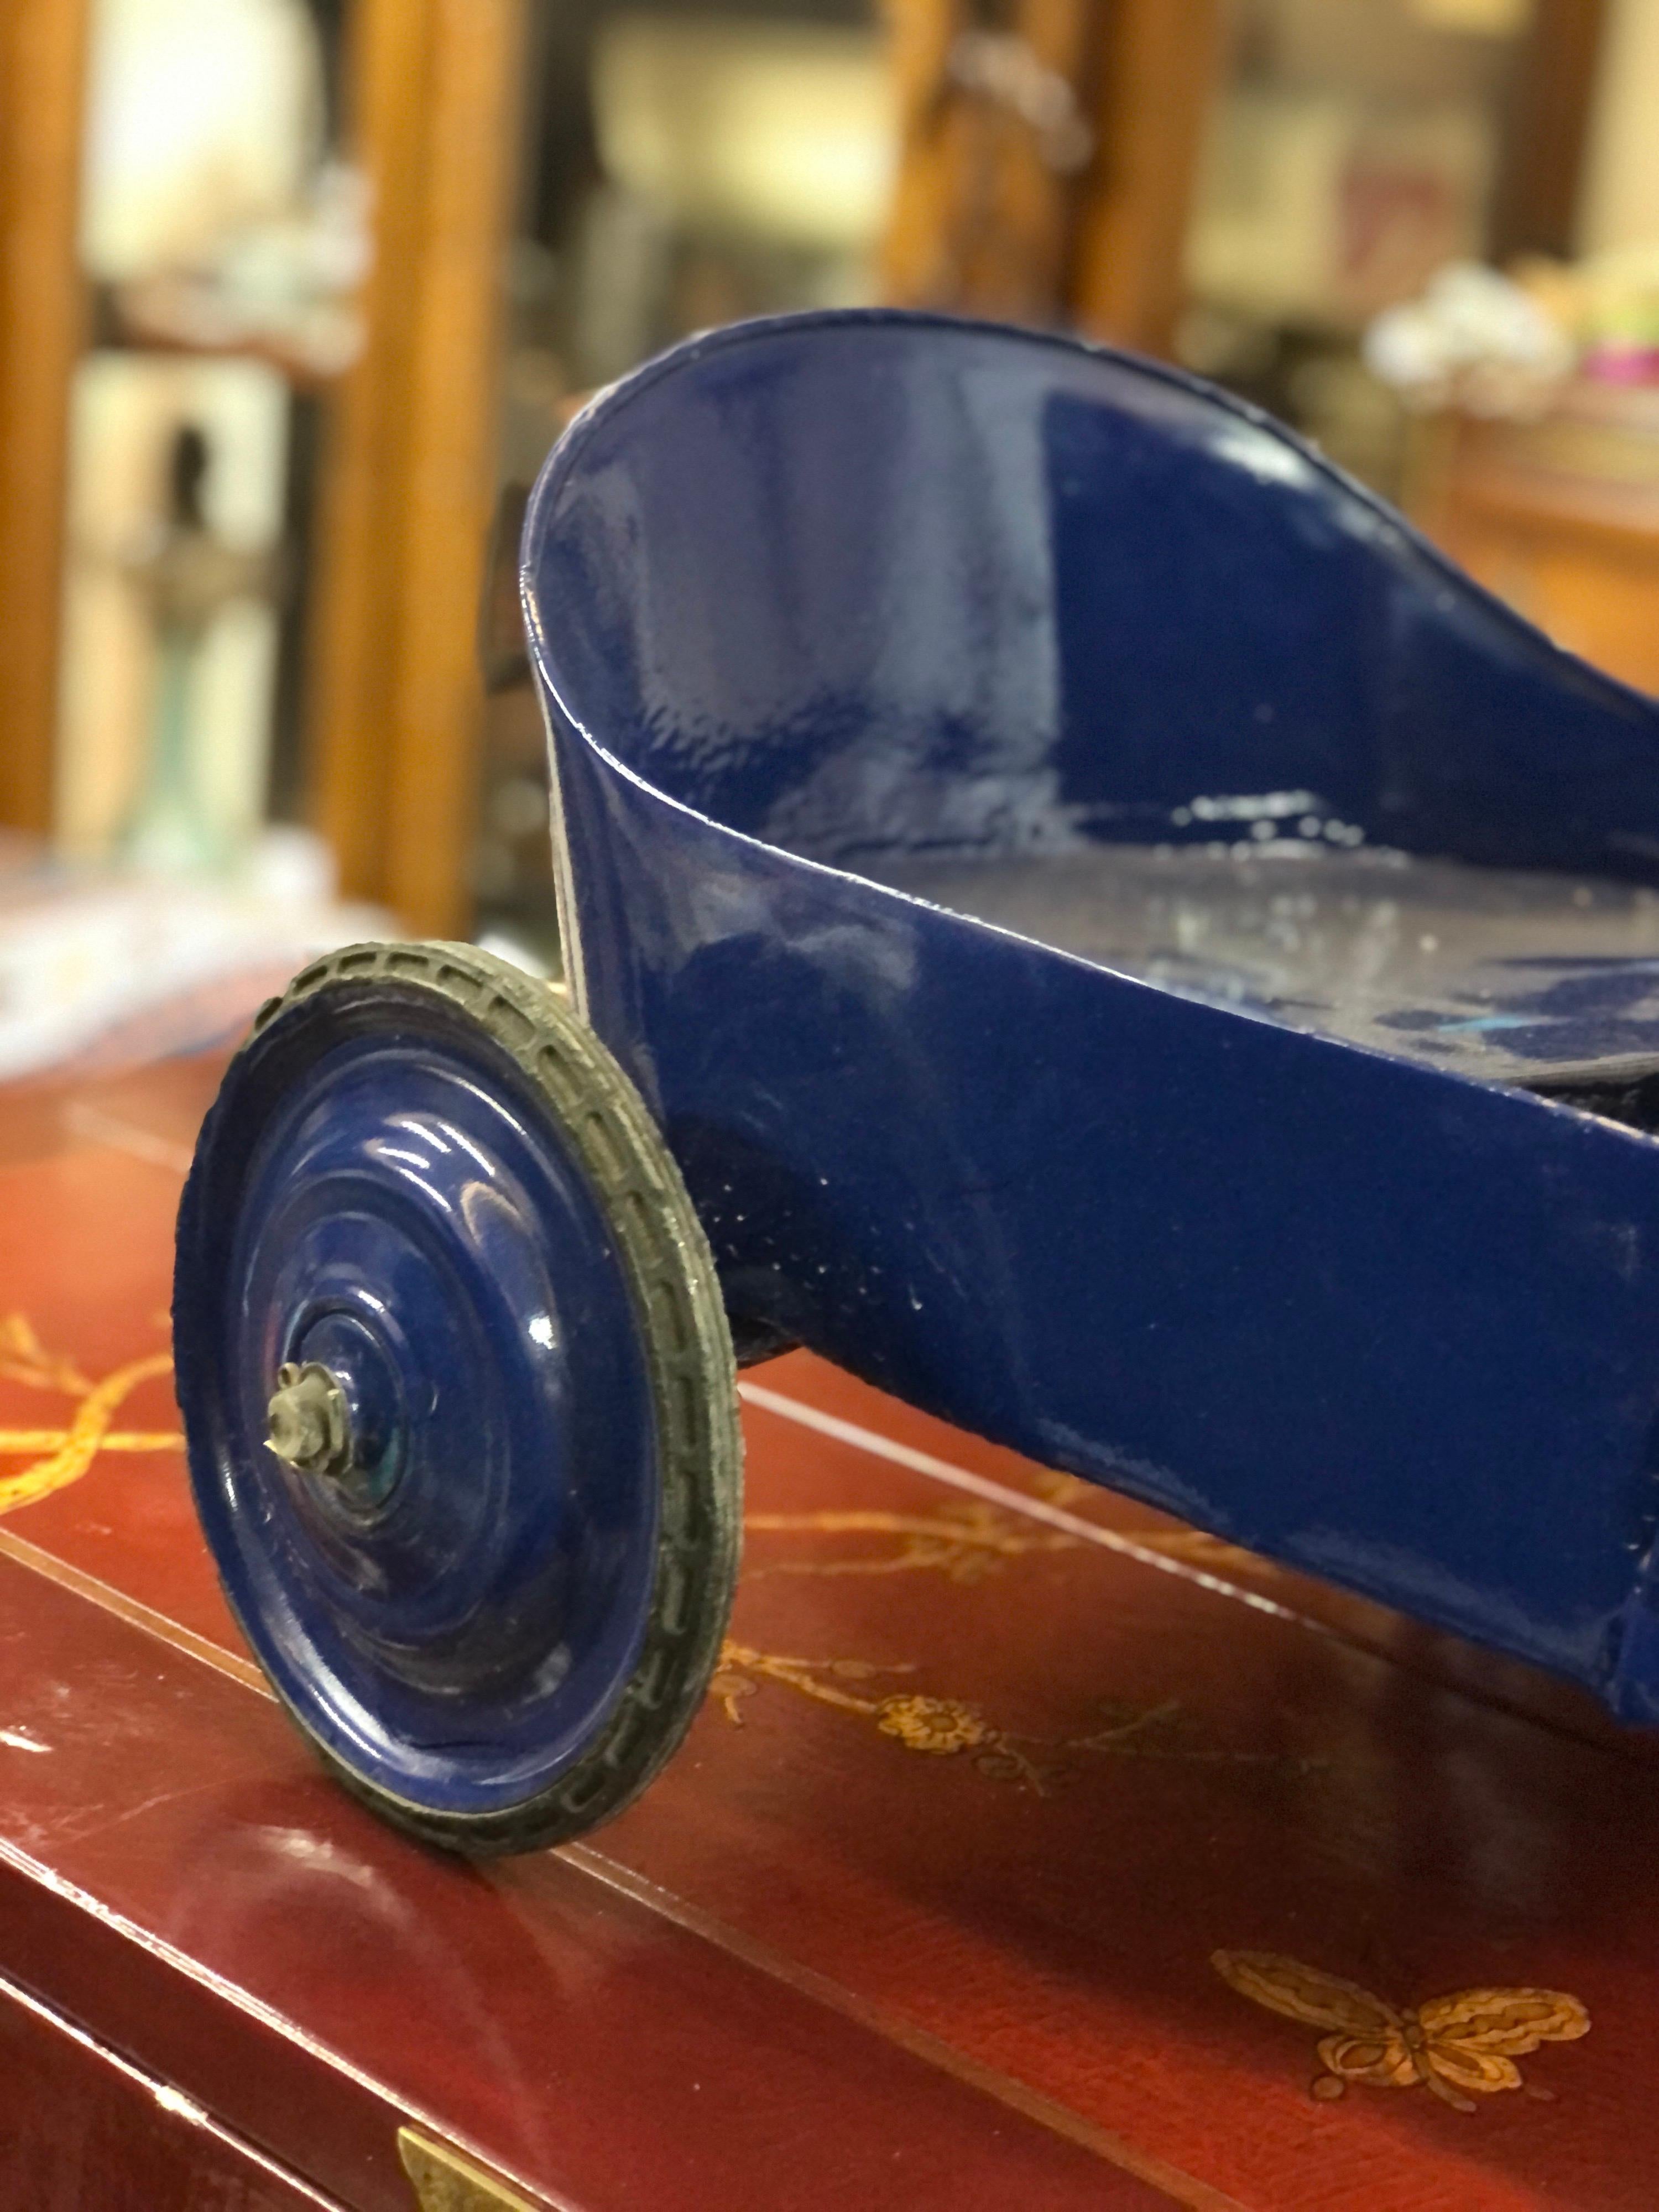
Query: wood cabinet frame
[[42, 317], [394, 698]]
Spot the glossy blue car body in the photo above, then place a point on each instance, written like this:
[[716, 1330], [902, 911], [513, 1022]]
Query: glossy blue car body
[[813, 599]]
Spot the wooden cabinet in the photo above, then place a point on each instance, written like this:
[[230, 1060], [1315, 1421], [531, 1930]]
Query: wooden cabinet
[[1559, 517], [393, 699]]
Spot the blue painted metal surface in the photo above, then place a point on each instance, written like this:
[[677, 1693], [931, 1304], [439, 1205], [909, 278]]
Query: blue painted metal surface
[[812, 599], [378, 1190]]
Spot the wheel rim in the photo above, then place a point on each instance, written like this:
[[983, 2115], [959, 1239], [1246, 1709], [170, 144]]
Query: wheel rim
[[382, 1193]]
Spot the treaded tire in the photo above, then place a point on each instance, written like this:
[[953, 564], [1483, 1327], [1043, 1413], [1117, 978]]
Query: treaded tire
[[670, 1272]]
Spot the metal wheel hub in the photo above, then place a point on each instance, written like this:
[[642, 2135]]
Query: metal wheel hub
[[310, 1421], [439, 1528]]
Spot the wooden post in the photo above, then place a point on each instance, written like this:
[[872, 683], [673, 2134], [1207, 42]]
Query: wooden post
[[395, 698], [980, 223], [1155, 89], [42, 70], [1551, 95]]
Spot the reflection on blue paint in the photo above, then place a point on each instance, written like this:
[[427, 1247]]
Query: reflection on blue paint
[[824, 607]]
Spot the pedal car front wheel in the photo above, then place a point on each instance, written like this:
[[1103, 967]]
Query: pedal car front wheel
[[459, 1394]]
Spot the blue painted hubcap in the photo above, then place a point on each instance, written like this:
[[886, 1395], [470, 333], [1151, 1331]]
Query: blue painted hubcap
[[382, 1192]]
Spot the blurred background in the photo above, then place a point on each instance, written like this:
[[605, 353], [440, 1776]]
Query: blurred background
[[295, 295]]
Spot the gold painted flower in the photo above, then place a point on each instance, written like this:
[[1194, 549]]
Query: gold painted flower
[[943, 1725]]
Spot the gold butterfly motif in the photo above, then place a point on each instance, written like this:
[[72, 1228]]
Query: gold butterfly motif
[[1469, 2040]]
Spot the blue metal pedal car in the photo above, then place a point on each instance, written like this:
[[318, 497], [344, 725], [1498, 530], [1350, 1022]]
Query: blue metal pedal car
[[1073, 911]]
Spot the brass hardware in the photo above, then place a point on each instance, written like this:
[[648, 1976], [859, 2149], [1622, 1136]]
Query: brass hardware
[[444, 2181]]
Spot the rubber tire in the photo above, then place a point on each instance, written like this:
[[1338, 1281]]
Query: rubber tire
[[669, 1272]]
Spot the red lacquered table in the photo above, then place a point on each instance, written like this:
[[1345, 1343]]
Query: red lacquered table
[[926, 1913]]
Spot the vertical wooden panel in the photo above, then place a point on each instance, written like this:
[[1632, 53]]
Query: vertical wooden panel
[[396, 700], [470, 165], [980, 222], [42, 70], [351, 659], [915, 247], [1155, 90], [1535, 202]]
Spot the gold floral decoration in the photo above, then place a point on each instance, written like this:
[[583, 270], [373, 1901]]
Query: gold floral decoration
[[943, 1727], [965, 1543], [1196, 1546], [1467, 2042], [940, 1726], [60, 1456]]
